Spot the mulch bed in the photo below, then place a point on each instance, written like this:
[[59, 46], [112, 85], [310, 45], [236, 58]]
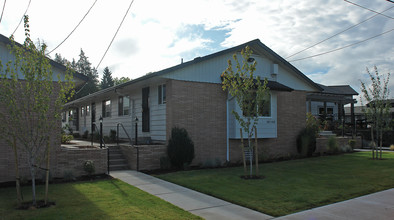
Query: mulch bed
[[39, 204]]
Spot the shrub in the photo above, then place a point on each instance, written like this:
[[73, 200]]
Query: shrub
[[165, 163], [85, 134], [333, 145], [88, 167], [66, 138], [180, 148], [352, 143], [112, 135], [306, 142]]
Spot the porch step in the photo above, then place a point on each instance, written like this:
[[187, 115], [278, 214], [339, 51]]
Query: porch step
[[117, 161]]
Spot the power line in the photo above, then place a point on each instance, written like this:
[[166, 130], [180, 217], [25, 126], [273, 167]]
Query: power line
[[368, 9], [22, 18], [115, 34], [74, 28], [338, 33], [342, 47], [2, 11]]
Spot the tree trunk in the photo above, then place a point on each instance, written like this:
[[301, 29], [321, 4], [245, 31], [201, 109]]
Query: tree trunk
[[33, 180], [373, 144], [256, 152], [243, 151], [47, 175], [17, 178], [250, 155]]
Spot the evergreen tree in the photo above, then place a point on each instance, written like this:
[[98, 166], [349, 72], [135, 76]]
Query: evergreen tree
[[61, 60], [107, 80], [83, 66]]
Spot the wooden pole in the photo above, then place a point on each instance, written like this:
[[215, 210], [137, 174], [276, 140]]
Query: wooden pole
[[243, 151], [256, 152]]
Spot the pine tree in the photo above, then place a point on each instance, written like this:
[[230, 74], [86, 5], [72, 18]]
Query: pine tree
[[107, 80], [83, 66]]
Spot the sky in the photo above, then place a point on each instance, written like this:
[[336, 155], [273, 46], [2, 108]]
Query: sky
[[157, 34]]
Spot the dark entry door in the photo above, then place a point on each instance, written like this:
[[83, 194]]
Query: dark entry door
[[145, 109], [93, 116]]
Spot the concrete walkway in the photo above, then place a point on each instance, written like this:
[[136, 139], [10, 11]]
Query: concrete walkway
[[199, 204], [378, 205]]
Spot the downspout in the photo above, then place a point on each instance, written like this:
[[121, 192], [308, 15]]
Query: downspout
[[229, 98], [228, 132]]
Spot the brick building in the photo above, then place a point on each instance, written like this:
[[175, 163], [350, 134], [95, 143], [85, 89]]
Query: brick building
[[190, 95]]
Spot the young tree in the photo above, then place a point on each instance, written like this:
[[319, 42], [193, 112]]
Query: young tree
[[378, 109], [107, 80], [251, 94], [32, 104]]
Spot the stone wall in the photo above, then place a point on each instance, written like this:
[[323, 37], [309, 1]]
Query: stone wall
[[145, 157], [322, 143]]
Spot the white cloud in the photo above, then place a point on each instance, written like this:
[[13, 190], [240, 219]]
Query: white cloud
[[157, 34]]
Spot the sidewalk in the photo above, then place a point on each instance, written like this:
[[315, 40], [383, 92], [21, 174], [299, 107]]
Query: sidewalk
[[378, 205], [199, 204]]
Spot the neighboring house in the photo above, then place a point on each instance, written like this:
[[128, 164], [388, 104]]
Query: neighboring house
[[190, 95], [360, 115], [7, 155], [329, 103]]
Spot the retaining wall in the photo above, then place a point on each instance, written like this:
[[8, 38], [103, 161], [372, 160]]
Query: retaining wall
[[144, 157]]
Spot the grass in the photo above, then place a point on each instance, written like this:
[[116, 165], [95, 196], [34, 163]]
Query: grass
[[296, 185], [105, 199]]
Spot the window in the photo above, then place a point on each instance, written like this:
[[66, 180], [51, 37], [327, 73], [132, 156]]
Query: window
[[263, 108], [87, 110], [106, 108], [162, 93], [82, 111], [124, 105]]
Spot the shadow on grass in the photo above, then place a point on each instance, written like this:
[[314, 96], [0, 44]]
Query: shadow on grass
[[71, 203]]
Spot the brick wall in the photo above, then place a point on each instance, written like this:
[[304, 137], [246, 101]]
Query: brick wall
[[291, 113], [72, 160], [148, 156], [200, 108]]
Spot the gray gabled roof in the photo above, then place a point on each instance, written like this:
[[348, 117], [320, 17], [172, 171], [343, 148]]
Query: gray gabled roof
[[338, 90], [256, 45], [59, 66]]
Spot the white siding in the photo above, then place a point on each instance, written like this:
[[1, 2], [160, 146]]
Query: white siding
[[157, 115], [266, 127]]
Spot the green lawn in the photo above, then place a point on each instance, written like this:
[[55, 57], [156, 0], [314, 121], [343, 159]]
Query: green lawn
[[105, 199], [295, 185]]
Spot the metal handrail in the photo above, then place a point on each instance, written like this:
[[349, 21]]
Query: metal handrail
[[117, 133], [98, 130]]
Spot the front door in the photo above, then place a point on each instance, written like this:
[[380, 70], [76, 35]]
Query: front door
[[93, 118], [145, 109]]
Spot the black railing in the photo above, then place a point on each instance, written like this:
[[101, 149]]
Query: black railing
[[101, 136], [117, 133]]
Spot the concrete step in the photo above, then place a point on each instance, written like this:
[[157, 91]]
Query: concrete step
[[117, 162], [116, 156], [118, 167]]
